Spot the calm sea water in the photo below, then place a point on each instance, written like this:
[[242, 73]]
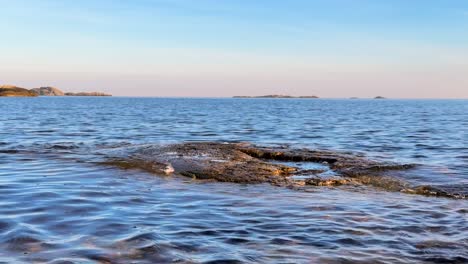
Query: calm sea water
[[58, 207]]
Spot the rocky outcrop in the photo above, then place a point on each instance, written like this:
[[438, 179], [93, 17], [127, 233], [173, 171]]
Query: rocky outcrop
[[14, 91], [87, 94], [11, 90], [215, 161], [246, 163], [281, 166], [299, 169], [48, 91]]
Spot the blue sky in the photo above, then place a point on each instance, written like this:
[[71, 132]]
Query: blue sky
[[331, 48]]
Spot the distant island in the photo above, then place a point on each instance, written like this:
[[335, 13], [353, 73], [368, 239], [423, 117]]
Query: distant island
[[48, 91], [15, 91], [380, 97], [279, 96], [87, 94]]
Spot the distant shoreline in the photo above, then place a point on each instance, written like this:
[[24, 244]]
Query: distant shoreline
[[279, 96], [15, 91]]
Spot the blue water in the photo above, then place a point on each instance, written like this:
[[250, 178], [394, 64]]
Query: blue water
[[55, 207]]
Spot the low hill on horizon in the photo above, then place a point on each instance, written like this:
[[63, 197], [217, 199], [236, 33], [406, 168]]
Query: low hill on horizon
[[48, 91], [15, 91], [280, 96]]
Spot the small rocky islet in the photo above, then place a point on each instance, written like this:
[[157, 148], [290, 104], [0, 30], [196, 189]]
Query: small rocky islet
[[279, 96], [15, 91], [246, 163], [282, 96], [87, 94]]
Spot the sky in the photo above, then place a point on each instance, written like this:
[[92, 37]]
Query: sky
[[222, 48]]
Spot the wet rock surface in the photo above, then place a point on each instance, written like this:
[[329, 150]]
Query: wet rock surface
[[247, 163], [345, 164], [214, 161]]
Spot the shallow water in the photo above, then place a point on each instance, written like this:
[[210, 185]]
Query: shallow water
[[56, 208]]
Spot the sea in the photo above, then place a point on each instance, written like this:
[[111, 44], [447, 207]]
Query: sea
[[59, 206]]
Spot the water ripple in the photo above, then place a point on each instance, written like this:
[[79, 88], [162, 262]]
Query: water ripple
[[57, 210]]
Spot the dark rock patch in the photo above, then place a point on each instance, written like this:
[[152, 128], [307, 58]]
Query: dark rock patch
[[246, 163], [216, 161]]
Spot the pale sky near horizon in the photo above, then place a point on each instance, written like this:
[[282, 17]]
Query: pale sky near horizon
[[217, 48]]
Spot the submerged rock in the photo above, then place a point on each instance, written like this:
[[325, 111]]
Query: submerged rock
[[345, 164], [334, 181], [299, 169], [439, 191], [246, 163], [216, 161]]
